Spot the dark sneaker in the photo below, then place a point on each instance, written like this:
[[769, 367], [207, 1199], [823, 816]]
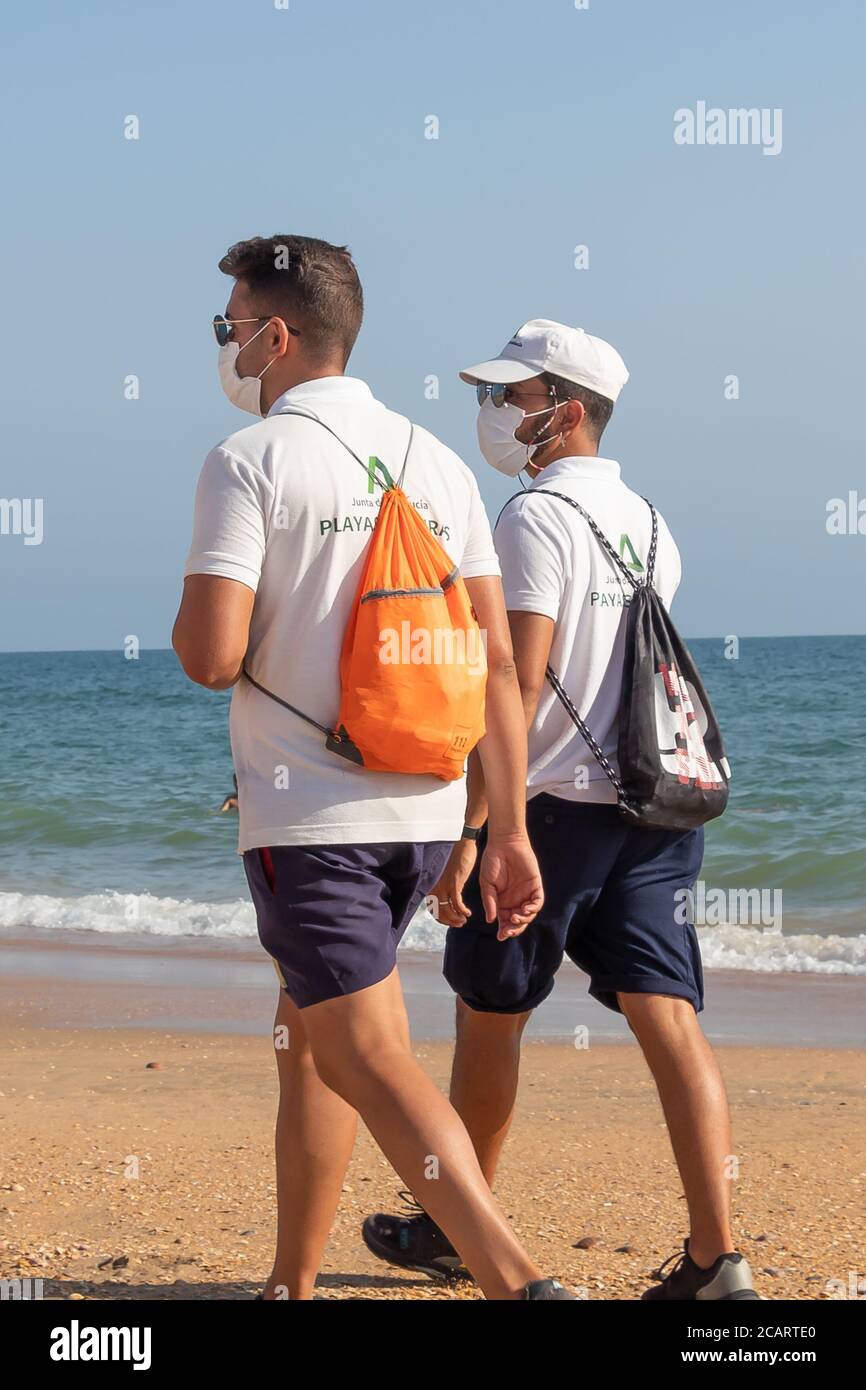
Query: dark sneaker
[[727, 1280], [547, 1288], [413, 1242]]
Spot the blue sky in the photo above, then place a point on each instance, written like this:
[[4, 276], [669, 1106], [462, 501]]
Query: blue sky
[[555, 130]]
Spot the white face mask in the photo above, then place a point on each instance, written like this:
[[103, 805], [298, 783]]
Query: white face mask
[[497, 426], [243, 391]]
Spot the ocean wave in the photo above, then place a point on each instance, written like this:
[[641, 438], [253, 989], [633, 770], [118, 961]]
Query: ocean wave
[[767, 951], [722, 947], [143, 914], [122, 913]]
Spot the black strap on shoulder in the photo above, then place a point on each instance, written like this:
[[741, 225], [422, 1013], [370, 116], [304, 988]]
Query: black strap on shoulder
[[309, 415], [651, 557], [562, 695], [591, 743], [616, 560]]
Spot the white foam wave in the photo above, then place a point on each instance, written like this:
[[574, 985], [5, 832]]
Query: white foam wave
[[767, 951], [722, 947], [121, 913], [144, 914]]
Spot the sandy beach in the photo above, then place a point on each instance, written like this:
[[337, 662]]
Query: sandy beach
[[125, 1180]]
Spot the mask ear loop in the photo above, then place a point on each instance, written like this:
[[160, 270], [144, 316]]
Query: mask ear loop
[[246, 344], [540, 443]]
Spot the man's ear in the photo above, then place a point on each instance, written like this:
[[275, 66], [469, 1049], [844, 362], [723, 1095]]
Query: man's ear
[[277, 337], [576, 414]]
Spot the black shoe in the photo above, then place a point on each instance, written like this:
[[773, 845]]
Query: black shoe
[[541, 1289], [729, 1279], [413, 1242]]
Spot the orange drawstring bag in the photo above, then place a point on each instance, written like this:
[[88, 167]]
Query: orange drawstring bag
[[413, 670]]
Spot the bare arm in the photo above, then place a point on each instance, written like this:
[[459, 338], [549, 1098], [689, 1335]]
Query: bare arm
[[510, 882], [502, 751], [532, 634], [212, 629]]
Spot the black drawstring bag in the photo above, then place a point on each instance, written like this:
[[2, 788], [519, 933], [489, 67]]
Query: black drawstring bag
[[673, 773]]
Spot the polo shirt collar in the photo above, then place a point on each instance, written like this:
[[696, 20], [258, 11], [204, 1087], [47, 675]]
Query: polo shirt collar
[[323, 389], [578, 467]]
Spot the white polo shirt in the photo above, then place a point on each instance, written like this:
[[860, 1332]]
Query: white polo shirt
[[282, 507], [553, 564]]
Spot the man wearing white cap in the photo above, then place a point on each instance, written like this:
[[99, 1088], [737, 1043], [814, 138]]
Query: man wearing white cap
[[613, 891]]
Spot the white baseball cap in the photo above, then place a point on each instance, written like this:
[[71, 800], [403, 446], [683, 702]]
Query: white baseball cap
[[544, 346]]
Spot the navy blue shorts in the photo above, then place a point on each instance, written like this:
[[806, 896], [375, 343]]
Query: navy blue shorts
[[613, 904], [331, 916]]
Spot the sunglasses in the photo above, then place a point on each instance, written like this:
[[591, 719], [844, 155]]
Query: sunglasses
[[224, 328], [494, 390], [497, 393]]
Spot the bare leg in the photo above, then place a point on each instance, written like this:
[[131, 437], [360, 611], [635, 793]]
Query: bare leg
[[484, 1078], [695, 1105], [314, 1139], [360, 1043]]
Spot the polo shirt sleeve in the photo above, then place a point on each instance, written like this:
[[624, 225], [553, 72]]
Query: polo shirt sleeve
[[531, 544], [479, 553], [669, 567], [232, 504]]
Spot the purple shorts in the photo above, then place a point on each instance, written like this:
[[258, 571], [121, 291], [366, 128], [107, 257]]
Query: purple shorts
[[332, 916]]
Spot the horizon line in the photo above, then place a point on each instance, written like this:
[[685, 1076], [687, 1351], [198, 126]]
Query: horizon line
[[753, 637]]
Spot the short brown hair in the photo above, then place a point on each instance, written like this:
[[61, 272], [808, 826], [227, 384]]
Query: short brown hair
[[312, 282], [598, 408]]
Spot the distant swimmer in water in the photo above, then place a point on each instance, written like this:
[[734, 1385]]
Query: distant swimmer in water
[[231, 801]]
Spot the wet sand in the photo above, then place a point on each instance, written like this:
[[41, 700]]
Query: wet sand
[[77, 979], [122, 1181]]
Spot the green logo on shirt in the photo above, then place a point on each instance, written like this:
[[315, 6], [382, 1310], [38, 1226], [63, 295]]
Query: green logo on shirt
[[633, 563], [372, 465]]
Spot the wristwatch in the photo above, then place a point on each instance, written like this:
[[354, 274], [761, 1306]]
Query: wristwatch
[[470, 832]]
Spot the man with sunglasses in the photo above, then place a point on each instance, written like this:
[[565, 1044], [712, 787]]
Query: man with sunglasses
[[613, 892], [339, 857]]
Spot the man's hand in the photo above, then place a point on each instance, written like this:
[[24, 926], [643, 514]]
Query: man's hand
[[452, 910], [510, 884]]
